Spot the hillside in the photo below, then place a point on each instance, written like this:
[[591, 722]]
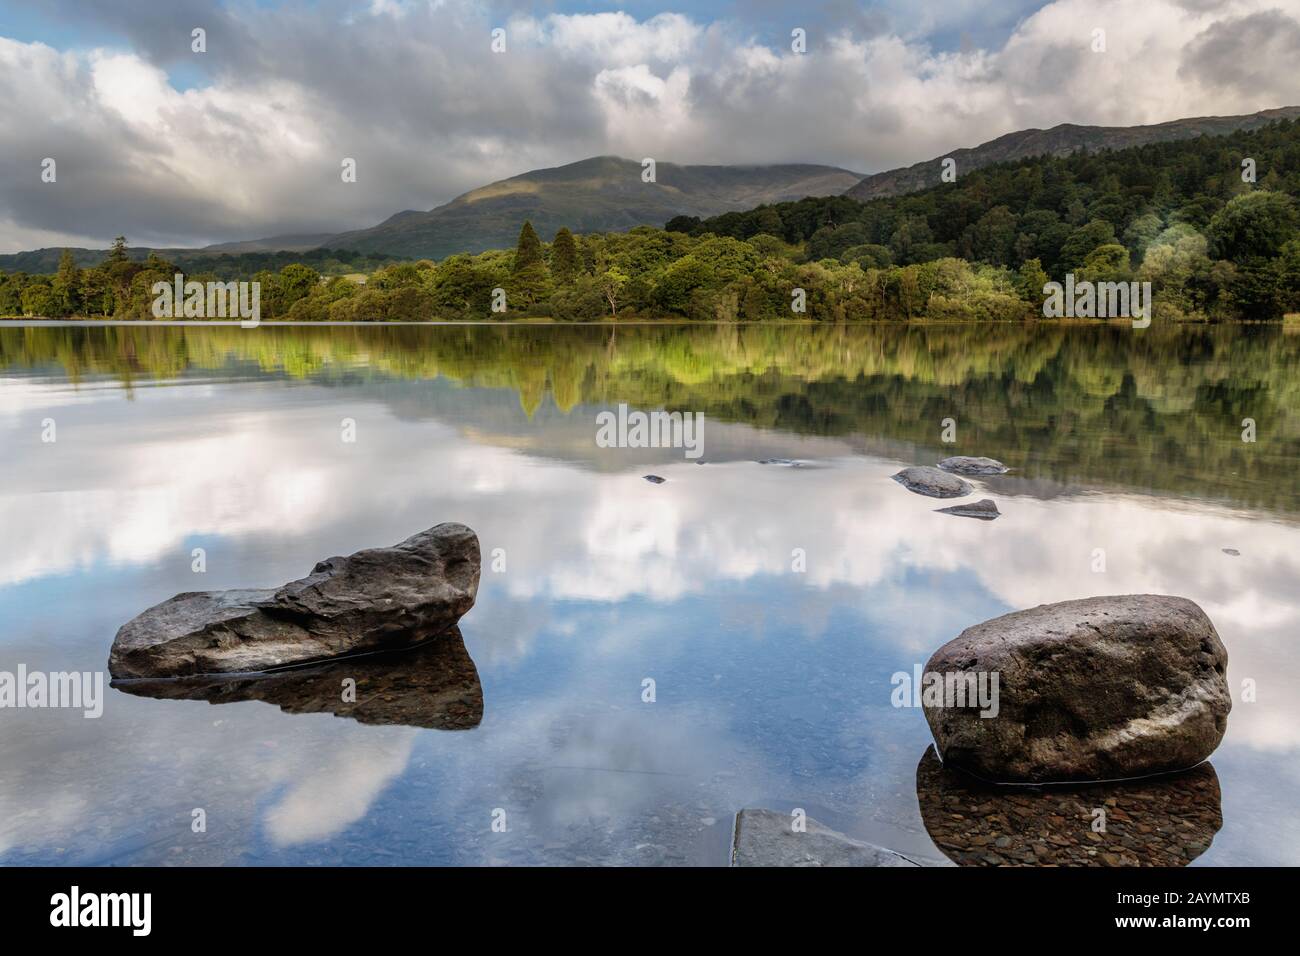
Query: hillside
[[1058, 141], [604, 194]]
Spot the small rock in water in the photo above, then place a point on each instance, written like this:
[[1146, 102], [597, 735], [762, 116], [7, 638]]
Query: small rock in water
[[932, 482], [967, 465], [1097, 689], [984, 509], [766, 838], [1232, 551], [655, 479], [787, 462]]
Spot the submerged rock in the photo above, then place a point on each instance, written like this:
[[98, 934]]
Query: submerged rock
[[783, 462], [984, 509], [376, 599], [1231, 552], [1166, 820], [1097, 689], [767, 838], [434, 685], [654, 479], [932, 482], [967, 465]]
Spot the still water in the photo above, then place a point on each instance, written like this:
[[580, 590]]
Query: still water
[[770, 604]]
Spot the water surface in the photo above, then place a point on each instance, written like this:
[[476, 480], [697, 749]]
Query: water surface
[[772, 684]]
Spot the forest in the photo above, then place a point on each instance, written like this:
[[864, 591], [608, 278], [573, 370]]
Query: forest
[[1211, 223]]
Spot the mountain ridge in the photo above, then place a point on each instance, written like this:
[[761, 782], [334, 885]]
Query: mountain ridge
[[1059, 140]]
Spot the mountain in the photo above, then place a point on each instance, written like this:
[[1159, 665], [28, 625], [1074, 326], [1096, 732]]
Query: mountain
[[300, 242], [1058, 141], [603, 194]]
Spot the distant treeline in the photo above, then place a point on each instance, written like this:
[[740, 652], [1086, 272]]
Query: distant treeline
[[1211, 223]]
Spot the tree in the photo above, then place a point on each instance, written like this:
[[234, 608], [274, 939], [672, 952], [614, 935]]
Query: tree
[[611, 283], [1108, 263], [564, 257], [38, 300], [1084, 240], [530, 281], [10, 295], [1030, 279], [66, 286], [528, 251], [1253, 224]]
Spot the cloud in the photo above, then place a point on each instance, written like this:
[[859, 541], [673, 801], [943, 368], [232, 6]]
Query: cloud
[[253, 145], [1247, 54]]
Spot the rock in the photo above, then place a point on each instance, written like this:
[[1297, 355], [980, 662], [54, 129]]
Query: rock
[[434, 685], [978, 467], [783, 462], [654, 479], [1154, 821], [932, 482], [1231, 552], [376, 599], [1097, 689], [984, 509], [766, 838]]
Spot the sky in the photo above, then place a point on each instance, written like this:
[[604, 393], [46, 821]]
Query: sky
[[173, 147]]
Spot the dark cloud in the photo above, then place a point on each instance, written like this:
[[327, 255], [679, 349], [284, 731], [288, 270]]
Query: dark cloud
[[1258, 55]]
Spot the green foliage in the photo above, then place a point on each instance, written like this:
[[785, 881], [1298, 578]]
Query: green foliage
[[1252, 225], [564, 257]]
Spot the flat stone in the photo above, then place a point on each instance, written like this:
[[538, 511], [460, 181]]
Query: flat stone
[[978, 467], [932, 482], [654, 479], [767, 838], [984, 509], [1096, 689], [376, 599]]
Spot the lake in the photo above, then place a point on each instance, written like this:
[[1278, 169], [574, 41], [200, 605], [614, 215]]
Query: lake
[[769, 603]]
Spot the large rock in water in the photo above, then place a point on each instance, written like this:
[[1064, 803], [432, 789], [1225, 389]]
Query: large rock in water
[[376, 599], [1097, 689]]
